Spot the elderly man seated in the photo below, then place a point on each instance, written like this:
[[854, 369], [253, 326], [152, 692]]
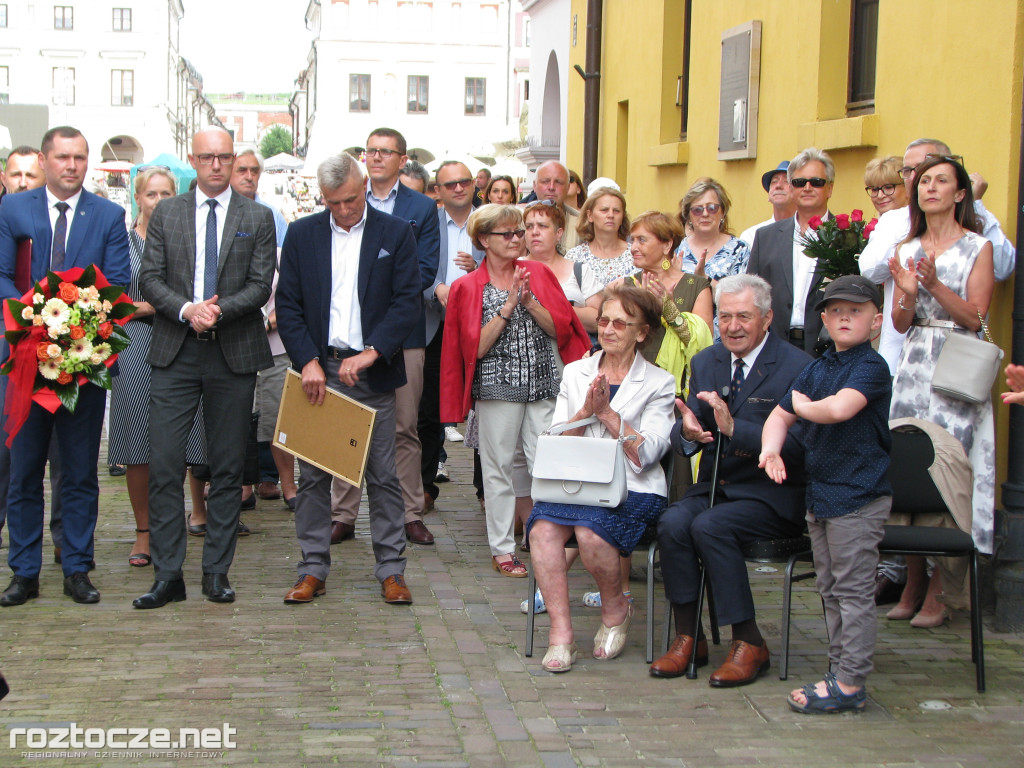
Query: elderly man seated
[[733, 388]]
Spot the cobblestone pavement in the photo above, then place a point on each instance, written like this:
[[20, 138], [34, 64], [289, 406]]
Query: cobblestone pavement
[[351, 681]]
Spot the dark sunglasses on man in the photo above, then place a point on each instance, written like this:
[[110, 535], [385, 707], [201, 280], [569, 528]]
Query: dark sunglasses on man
[[815, 181]]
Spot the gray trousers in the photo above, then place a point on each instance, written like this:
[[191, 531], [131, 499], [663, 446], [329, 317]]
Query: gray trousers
[[387, 512], [845, 556], [198, 372]]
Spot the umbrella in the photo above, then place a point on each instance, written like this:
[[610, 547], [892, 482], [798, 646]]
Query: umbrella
[[283, 162], [469, 161], [114, 166]]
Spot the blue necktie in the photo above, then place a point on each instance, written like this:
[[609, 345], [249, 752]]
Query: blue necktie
[[737, 381], [210, 272], [60, 236]]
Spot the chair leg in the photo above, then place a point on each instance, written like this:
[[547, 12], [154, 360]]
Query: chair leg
[[691, 669], [531, 586], [666, 635], [650, 600], [716, 636], [977, 641], [787, 596]]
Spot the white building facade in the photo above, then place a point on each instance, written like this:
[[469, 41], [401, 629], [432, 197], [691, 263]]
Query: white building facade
[[549, 92], [451, 75], [112, 70]]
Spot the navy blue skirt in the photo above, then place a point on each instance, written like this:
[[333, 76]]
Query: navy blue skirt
[[621, 526]]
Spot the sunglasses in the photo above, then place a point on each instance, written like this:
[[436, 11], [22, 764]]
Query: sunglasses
[[452, 185], [520, 233], [885, 190], [535, 203], [619, 325], [815, 181], [711, 208]]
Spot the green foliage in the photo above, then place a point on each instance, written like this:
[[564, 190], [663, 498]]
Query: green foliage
[[277, 140]]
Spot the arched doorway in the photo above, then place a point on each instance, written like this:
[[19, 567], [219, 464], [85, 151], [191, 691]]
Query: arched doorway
[[551, 118], [124, 148]]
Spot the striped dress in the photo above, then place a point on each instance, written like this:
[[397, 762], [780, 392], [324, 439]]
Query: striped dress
[[129, 395]]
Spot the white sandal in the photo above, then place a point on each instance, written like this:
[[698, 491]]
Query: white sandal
[[560, 658], [612, 640]]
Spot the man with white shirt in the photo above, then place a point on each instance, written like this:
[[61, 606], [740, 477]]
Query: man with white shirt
[[893, 227], [778, 256], [780, 195], [458, 255]]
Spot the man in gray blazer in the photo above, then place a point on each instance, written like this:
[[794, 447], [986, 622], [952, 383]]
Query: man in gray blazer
[[777, 256], [208, 266]]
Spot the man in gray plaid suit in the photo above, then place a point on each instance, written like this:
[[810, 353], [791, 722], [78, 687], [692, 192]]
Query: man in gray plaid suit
[[207, 269]]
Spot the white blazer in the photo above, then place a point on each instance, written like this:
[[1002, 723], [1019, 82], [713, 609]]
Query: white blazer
[[645, 399]]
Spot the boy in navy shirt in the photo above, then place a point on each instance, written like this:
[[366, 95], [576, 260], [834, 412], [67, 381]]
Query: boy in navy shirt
[[844, 398]]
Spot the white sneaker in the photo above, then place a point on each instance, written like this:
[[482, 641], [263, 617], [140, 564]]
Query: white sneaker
[[442, 474], [451, 434]]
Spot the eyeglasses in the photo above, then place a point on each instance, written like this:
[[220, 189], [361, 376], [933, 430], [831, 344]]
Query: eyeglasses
[[618, 325], [815, 181], [225, 158], [711, 208], [385, 153], [451, 185], [885, 190], [520, 233], [908, 170]]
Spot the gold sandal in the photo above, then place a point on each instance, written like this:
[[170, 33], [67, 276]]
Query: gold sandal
[[612, 640], [560, 658]]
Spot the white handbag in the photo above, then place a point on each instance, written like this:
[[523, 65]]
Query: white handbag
[[967, 366], [580, 470]]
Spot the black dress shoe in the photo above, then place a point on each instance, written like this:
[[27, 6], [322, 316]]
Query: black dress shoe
[[81, 590], [249, 503], [161, 593], [217, 589], [19, 591]]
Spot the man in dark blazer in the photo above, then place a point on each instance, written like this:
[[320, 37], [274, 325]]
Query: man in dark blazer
[[385, 158], [748, 506], [347, 297], [69, 228], [207, 270], [776, 255]]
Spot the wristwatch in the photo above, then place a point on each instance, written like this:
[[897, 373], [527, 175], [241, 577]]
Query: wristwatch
[[370, 348]]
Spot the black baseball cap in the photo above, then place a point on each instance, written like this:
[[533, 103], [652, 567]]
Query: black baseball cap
[[855, 288], [766, 177]]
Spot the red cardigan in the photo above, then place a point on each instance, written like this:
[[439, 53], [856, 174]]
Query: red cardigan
[[462, 332]]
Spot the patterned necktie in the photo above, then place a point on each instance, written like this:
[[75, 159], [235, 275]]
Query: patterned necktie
[[60, 237], [737, 381], [210, 271]]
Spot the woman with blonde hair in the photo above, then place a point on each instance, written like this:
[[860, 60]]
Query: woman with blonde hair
[[603, 229], [709, 245]]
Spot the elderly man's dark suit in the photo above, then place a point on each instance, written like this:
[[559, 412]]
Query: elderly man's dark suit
[[220, 370], [771, 257], [390, 304], [748, 506]]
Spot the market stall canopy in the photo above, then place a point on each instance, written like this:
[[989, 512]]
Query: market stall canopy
[[114, 166], [283, 162]]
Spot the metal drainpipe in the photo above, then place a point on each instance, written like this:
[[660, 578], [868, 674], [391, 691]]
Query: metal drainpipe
[[1009, 554], [592, 89]]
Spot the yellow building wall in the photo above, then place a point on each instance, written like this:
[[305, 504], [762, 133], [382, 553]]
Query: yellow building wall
[[947, 69]]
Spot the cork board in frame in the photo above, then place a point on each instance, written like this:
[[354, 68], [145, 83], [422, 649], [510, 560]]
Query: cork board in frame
[[334, 436]]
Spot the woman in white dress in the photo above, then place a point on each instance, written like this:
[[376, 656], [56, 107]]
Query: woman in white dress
[[943, 284]]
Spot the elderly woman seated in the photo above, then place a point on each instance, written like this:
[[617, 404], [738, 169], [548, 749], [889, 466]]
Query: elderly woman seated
[[626, 394]]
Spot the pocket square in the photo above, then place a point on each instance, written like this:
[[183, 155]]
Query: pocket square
[[383, 254], [243, 234], [760, 399]]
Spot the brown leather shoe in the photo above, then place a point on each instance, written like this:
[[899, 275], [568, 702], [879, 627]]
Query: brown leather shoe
[[744, 664], [675, 662], [886, 590], [305, 589], [341, 531], [394, 590], [417, 533], [268, 491], [428, 503]]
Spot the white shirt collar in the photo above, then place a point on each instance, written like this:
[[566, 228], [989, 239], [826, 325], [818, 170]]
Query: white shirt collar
[[750, 358], [51, 199], [223, 199], [338, 230]]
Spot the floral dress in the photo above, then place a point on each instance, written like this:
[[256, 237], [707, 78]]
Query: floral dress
[[912, 395], [605, 270], [731, 259]]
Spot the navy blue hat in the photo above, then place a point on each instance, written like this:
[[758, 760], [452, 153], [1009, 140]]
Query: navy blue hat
[[855, 288], [766, 178]]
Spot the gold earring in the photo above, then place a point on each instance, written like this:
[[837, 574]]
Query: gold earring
[[666, 265]]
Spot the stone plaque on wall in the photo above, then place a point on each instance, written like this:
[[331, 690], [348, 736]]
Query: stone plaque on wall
[[738, 92]]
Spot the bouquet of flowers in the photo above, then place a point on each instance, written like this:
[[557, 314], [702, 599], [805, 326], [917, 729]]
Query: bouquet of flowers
[[836, 243], [63, 333]]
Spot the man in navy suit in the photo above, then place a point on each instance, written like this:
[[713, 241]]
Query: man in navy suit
[[69, 228], [385, 157], [347, 297], [733, 388]]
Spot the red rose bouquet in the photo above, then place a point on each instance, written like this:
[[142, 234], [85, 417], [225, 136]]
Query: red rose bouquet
[[63, 333], [837, 242]]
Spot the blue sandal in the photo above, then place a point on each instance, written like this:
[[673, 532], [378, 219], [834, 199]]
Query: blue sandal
[[836, 701]]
